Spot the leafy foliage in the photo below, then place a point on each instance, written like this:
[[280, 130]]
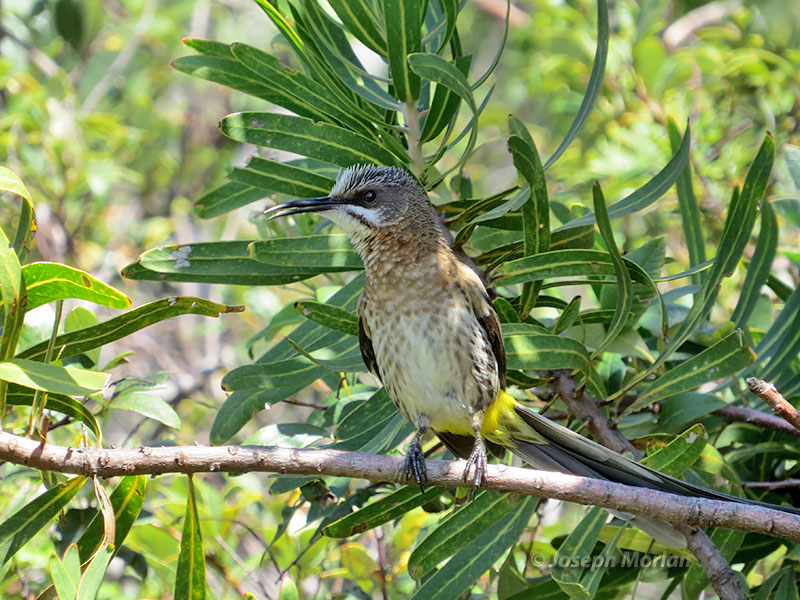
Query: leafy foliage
[[662, 330]]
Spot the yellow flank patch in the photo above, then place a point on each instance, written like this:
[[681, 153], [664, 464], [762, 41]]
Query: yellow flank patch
[[497, 417]]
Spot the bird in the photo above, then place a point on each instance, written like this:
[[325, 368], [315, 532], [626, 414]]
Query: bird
[[428, 330]]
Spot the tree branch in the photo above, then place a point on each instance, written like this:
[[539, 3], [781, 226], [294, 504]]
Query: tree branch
[[756, 417], [337, 463], [722, 576], [779, 405]]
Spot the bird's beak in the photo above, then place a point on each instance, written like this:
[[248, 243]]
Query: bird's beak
[[300, 206]]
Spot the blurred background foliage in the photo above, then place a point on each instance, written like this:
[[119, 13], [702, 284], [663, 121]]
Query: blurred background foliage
[[115, 147]]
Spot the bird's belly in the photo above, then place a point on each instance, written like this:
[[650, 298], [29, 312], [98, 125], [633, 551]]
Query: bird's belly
[[426, 362]]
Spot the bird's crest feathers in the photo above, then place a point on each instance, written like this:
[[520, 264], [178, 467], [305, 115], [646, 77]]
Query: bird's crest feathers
[[359, 176]]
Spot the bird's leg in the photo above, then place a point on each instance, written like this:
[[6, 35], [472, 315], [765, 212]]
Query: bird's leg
[[414, 465], [477, 457]]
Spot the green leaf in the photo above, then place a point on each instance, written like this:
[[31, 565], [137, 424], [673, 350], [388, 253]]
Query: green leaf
[[650, 191], [23, 396], [271, 82], [680, 454], [536, 211], [227, 197], [314, 253], [444, 104], [323, 141], [388, 508], [67, 574], [457, 531], [288, 589], [466, 566], [624, 299], [374, 426], [9, 182], [529, 349], [729, 355], [212, 262], [190, 578], [690, 212], [568, 316], [85, 340], [12, 288], [735, 235], [258, 386], [331, 317], [47, 282], [276, 177], [335, 63], [127, 500], [435, 68], [93, 575], [150, 406], [679, 410], [52, 378], [403, 23], [359, 18], [293, 88], [759, 269], [20, 527], [577, 548], [595, 83]]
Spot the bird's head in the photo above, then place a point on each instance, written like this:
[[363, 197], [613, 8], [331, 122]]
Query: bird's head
[[365, 200]]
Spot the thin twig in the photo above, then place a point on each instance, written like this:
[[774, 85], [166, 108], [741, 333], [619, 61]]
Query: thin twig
[[779, 405], [772, 485], [756, 417]]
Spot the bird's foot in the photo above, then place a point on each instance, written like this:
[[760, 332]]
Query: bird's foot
[[477, 458], [414, 465]]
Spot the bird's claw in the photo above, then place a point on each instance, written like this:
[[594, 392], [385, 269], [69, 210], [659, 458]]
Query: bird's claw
[[414, 465], [477, 458]]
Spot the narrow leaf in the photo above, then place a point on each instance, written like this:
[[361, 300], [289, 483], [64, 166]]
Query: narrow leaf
[[227, 197], [23, 396], [52, 378], [190, 578], [89, 338], [649, 192], [322, 141], [276, 177], [127, 500], [403, 23], [332, 317], [20, 527], [729, 355], [466, 566], [389, 507], [680, 454], [690, 212], [94, 574], [759, 269], [359, 19], [624, 299], [528, 349], [457, 531], [314, 253], [26, 228], [595, 82], [47, 281]]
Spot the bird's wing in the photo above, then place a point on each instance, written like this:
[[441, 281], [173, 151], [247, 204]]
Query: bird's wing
[[487, 317], [365, 343]]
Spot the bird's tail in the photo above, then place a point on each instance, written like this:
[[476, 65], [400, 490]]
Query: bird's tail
[[549, 446]]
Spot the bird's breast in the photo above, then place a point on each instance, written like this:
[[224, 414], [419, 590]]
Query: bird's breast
[[427, 345]]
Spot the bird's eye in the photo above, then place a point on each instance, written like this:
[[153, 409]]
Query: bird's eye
[[369, 196]]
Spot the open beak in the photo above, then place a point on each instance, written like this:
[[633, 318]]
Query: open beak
[[301, 206]]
